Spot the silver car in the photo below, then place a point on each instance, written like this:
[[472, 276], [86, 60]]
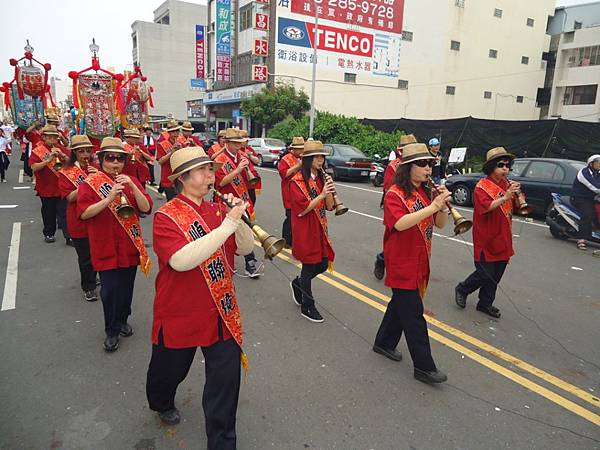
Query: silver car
[[268, 149]]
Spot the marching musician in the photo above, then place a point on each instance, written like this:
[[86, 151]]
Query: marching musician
[[195, 303], [249, 153], [217, 148], [389, 177], [311, 196], [232, 178], [171, 124], [136, 165], [71, 176], [187, 136], [288, 166], [116, 241], [63, 139], [149, 147], [43, 160], [409, 216], [493, 199], [164, 151]]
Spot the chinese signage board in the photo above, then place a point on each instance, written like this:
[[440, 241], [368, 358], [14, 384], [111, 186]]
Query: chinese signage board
[[261, 22], [223, 40], [200, 73], [261, 47], [260, 73]]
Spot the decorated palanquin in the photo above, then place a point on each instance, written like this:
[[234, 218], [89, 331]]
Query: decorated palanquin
[[136, 100]]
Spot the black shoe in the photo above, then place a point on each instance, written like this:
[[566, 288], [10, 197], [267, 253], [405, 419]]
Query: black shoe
[[490, 311], [392, 354], [126, 330], [430, 377], [111, 343], [379, 270], [460, 298], [70, 242], [49, 239], [312, 314], [90, 296], [170, 417], [251, 269], [296, 292]]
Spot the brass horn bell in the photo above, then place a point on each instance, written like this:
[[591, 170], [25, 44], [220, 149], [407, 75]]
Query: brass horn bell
[[58, 164], [461, 225], [270, 244], [124, 209]]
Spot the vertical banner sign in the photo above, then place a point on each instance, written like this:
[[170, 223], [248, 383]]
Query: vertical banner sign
[[200, 52], [223, 40]]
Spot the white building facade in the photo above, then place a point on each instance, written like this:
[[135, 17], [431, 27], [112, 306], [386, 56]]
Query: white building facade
[[165, 49], [574, 64]]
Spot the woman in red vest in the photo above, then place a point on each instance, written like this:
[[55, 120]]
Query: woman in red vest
[[195, 304], [70, 178], [116, 241], [311, 196], [288, 166], [493, 199], [409, 216]]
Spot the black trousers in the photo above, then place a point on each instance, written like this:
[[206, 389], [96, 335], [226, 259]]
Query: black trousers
[[116, 291], [308, 272], [86, 271], [252, 195], [54, 209], [4, 163], [588, 215], [404, 313], [169, 367], [286, 229], [151, 168], [26, 169], [170, 192], [486, 278]]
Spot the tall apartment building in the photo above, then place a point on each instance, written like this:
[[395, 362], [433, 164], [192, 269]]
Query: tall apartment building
[[573, 75], [425, 59], [165, 49]]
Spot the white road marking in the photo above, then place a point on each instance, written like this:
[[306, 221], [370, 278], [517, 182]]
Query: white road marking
[[21, 187], [450, 238], [12, 270], [8, 206], [20, 175]]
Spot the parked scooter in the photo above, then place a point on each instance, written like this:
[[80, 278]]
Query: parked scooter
[[378, 170], [563, 220]]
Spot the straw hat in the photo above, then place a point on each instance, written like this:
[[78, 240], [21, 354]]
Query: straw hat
[[406, 139], [187, 126], [51, 118], [80, 141], [112, 144], [132, 132], [297, 142], [415, 152], [234, 135], [50, 130], [244, 133], [189, 158], [221, 134], [495, 154], [173, 125], [314, 148]]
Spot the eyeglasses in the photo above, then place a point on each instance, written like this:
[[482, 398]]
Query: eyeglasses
[[113, 158], [425, 162], [502, 165]]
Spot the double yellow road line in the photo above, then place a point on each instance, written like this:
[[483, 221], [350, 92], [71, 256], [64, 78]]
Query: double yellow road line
[[378, 300]]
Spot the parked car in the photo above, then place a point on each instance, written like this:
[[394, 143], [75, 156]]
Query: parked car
[[207, 137], [539, 177], [346, 161], [268, 149]]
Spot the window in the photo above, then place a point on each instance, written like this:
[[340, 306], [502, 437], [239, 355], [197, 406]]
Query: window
[[525, 60], [569, 37], [518, 167], [577, 25], [487, 94], [585, 56], [459, 3], [493, 53], [403, 84], [498, 13], [246, 17], [454, 45], [164, 20], [350, 78], [580, 95], [348, 150], [541, 170], [407, 36], [519, 99], [530, 22], [450, 90]]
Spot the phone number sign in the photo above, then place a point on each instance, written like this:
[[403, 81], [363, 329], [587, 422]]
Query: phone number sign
[[384, 15]]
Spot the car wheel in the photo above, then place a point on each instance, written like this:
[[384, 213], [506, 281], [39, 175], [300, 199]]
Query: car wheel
[[260, 160], [461, 195]]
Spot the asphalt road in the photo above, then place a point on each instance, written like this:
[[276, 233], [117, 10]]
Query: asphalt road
[[529, 380]]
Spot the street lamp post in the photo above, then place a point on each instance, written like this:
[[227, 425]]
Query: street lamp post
[[311, 126]]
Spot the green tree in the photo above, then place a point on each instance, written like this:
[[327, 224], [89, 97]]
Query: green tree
[[272, 105]]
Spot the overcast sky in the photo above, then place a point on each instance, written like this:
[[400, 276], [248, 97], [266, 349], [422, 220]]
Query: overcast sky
[[61, 31]]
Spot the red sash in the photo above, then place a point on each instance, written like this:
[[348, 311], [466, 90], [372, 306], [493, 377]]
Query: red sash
[[495, 192], [416, 203], [74, 174], [215, 269], [320, 211], [102, 185], [258, 186], [238, 183], [290, 159], [41, 151]]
